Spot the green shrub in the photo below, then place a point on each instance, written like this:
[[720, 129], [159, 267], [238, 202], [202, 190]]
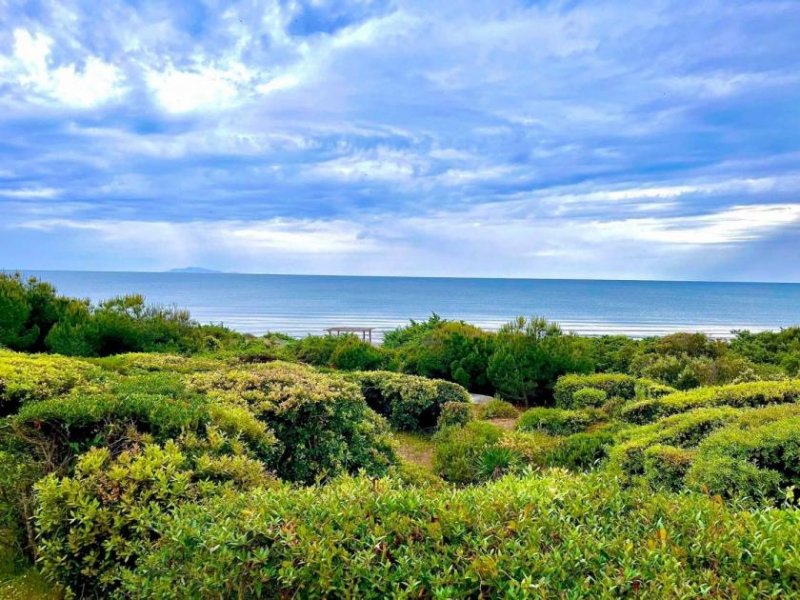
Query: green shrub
[[530, 447], [322, 423], [648, 388], [346, 352], [356, 355], [665, 467], [496, 409], [558, 421], [98, 522], [589, 397], [758, 393], [555, 536], [529, 355], [29, 309], [30, 378], [622, 386], [759, 462], [18, 473], [141, 362], [458, 451], [681, 431], [410, 403], [581, 451], [443, 349], [454, 413]]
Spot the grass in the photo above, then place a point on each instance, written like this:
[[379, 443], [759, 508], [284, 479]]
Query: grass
[[416, 448]]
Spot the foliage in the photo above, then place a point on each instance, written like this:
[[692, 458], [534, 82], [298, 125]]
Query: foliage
[[530, 355], [322, 423], [410, 403], [665, 467], [459, 451], [100, 520], [614, 353], [558, 535], [496, 409], [140, 362], [581, 451], [558, 421], [30, 378], [760, 461], [612, 384], [780, 348], [29, 309], [346, 352], [648, 388], [758, 393], [444, 349], [454, 413], [533, 448]]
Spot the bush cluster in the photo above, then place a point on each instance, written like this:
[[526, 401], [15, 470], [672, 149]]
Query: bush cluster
[[757, 393], [408, 402], [581, 391], [30, 378], [735, 453], [321, 422], [558, 421], [559, 535]]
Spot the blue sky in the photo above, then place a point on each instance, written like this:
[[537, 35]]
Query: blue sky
[[650, 140]]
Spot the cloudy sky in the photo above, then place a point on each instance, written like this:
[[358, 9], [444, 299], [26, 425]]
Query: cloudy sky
[[601, 139]]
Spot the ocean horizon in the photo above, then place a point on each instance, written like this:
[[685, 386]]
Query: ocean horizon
[[306, 304]]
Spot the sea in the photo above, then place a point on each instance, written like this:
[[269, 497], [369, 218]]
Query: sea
[[307, 304]]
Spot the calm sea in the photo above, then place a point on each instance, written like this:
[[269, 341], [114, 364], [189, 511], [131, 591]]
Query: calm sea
[[301, 304]]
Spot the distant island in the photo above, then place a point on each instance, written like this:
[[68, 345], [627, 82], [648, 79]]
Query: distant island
[[193, 270]]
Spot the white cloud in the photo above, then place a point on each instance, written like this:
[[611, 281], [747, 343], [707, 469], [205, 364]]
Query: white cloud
[[33, 193], [90, 84], [206, 88]]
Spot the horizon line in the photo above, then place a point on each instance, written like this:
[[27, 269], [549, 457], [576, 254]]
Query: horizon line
[[511, 278]]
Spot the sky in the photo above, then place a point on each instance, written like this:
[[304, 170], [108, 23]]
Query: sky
[[598, 139]]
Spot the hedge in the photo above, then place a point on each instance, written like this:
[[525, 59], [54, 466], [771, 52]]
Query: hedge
[[754, 393], [409, 402], [613, 384], [556, 536]]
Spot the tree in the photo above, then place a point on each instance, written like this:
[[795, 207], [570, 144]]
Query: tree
[[530, 355]]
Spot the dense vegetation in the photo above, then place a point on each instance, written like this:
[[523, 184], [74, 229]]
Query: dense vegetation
[[148, 456]]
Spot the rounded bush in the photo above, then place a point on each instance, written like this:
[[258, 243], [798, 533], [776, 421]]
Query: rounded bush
[[497, 409], [613, 384], [408, 402], [581, 451], [557, 421], [28, 378], [98, 522], [321, 422]]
